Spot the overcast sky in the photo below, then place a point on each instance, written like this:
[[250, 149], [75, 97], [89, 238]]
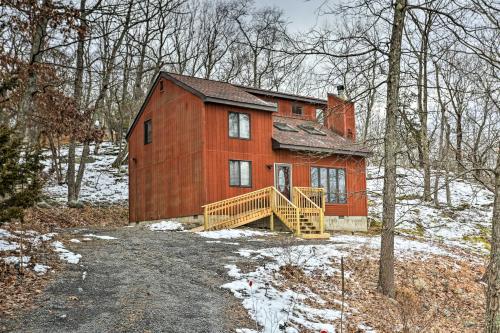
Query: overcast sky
[[300, 13]]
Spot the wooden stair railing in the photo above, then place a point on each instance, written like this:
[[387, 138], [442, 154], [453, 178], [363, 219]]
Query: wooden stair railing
[[239, 210], [286, 211], [303, 216], [311, 214], [315, 194]]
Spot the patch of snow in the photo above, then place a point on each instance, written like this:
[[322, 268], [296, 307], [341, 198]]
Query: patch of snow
[[459, 225], [100, 236], [86, 239], [24, 260], [38, 239], [402, 245], [271, 306], [247, 253], [232, 233], [66, 255], [74, 240], [5, 234], [8, 246], [221, 242], [84, 275], [41, 269], [166, 226], [101, 183]]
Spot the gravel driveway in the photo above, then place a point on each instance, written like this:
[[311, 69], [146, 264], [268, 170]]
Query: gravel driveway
[[142, 282]]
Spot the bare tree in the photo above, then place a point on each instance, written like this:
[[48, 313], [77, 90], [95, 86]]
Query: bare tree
[[386, 269]]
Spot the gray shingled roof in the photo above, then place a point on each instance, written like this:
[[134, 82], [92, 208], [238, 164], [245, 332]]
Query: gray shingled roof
[[331, 142], [220, 92]]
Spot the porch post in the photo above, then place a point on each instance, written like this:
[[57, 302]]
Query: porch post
[[298, 223], [205, 218], [322, 221], [271, 221]]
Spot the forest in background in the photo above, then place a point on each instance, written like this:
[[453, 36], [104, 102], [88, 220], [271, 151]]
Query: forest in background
[[423, 75]]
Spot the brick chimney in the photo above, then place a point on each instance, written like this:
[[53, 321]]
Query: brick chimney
[[340, 115]]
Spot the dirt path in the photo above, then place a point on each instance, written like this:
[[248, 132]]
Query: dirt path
[[142, 282]]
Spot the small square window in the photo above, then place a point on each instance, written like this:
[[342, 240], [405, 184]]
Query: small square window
[[148, 132], [297, 109]]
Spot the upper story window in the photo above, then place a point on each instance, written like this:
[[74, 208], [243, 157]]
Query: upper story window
[[239, 125], [297, 109], [148, 132], [240, 173], [333, 181], [320, 116]]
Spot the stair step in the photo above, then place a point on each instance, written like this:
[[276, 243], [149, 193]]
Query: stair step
[[315, 236]]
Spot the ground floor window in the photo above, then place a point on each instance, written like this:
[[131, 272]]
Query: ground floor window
[[240, 173], [332, 180]]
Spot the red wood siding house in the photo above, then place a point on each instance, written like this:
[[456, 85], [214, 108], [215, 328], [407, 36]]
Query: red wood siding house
[[184, 149]]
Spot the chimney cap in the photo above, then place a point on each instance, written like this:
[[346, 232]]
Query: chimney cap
[[340, 89]]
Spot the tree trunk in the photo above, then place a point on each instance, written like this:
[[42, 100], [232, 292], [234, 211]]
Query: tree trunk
[[386, 269], [54, 154], [459, 137], [77, 94], [423, 134], [36, 53], [493, 273]]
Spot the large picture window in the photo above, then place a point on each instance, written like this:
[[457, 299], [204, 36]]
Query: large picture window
[[333, 181], [148, 132], [240, 173], [239, 125]]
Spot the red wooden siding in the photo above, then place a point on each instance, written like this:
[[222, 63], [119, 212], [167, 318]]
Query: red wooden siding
[[258, 150], [340, 117], [187, 163], [285, 108], [166, 176]]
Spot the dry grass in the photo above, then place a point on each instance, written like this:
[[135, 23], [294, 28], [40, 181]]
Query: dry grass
[[436, 294], [50, 219]]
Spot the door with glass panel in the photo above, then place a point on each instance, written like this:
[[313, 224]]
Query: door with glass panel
[[283, 179]]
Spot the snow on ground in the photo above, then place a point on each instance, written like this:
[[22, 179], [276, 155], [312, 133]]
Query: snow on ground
[[465, 224], [23, 261], [41, 269], [166, 226], [101, 183], [271, 303], [233, 233], [66, 255], [10, 247], [100, 237]]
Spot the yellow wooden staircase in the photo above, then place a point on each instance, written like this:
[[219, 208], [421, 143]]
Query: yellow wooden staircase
[[304, 216]]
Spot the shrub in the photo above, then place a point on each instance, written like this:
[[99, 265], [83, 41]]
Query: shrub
[[20, 170]]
